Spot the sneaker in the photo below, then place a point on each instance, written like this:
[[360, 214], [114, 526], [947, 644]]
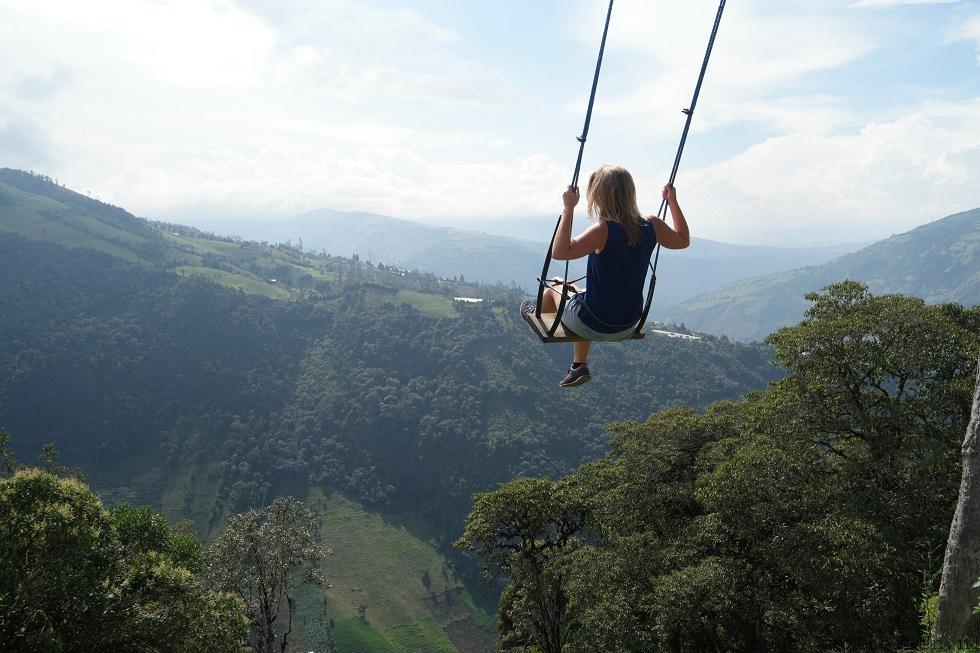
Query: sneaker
[[527, 307], [576, 376]]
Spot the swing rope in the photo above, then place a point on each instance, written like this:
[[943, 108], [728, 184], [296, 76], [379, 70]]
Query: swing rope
[[578, 167], [677, 161]]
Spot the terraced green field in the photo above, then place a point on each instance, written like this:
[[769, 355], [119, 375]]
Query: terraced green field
[[247, 284], [376, 564], [353, 636]]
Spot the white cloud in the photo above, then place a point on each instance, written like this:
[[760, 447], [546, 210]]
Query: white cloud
[[817, 188], [184, 43], [284, 180], [265, 107], [761, 55], [901, 3], [272, 107], [969, 30]]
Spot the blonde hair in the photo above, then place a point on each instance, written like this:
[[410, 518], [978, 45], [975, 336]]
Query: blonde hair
[[612, 196]]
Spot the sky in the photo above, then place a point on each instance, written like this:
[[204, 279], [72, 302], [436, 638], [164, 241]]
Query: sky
[[819, 122]]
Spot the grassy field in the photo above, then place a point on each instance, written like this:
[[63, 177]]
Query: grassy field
[[242, 282], [37, 208], [41, 218], [373, 560], [353, 636], [428, 303], [276, 271], [377, 566], [420, 635]]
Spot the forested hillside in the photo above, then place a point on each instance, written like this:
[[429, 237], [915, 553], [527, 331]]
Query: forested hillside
[[173, 369], [513, 253], [939, 262], [36, 207], [113, 362], [808, 517], [203, 392]]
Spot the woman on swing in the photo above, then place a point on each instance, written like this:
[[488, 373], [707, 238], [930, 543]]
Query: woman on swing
[[619, 246]]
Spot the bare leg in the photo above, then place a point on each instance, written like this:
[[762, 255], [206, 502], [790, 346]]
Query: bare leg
[[552, 295], [549, 304], [550, 299]]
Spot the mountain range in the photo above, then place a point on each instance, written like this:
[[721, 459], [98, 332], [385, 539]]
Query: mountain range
[[512, 251], [939, 262], [203, 375]]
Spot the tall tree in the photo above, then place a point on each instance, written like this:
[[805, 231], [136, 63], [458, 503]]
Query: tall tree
[[75, 576], [956, 620], [525, 530], [263, 556]]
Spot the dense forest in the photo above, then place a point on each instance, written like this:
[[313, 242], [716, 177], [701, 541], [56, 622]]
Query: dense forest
[[810, 516], [118, 365], [796, 494], [203, 376]]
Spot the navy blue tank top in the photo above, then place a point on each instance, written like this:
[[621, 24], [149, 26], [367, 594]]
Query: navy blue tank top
[[614, 284]]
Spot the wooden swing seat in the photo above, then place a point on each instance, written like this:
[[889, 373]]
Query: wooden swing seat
[[541, 326]]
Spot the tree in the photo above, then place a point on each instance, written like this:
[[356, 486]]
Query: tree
[[956, 619], [883, 385], [8, 463], [263, 556], [524, 530], [798, 519], [75, 576]]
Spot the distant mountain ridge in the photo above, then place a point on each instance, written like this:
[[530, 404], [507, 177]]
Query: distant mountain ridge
[[444, 251], [939, 262], [37, 208], [492, 258]]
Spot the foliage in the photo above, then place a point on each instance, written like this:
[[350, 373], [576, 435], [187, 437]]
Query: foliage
[[367, 382], [262, 557], [526, 529], [121, 366], [927, 613], [8, 461], [798, 519], [78, 577]]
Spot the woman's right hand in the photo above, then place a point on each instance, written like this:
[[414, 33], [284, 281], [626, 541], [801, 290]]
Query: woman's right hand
[[570, 197], [670, 194]]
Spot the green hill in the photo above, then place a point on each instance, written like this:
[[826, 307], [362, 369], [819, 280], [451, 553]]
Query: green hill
[[498, 258], [361, 389], [35, 207], [939, 262], [444, 251]]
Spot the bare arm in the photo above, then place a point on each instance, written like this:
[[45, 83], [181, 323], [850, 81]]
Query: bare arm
[[590, 240], [680, 236]]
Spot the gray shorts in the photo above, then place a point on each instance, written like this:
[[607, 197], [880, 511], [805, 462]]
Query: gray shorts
[[571, 321]]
